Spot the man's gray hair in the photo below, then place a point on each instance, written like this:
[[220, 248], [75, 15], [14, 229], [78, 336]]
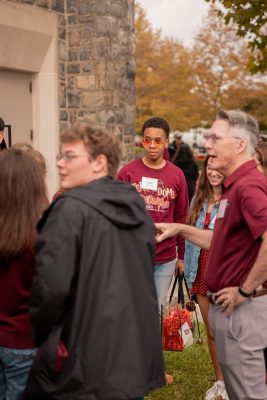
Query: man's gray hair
[[245, 126]]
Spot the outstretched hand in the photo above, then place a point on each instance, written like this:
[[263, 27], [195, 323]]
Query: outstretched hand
[[166, 230]]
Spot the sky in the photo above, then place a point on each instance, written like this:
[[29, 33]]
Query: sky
[[179, 19]]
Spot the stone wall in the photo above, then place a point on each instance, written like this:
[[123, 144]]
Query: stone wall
[[96, 64]]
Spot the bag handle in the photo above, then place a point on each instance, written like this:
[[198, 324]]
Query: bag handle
[[181, 280], [181, 289], [173, 287], [190, 297]]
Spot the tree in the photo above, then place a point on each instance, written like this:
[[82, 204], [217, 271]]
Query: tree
[[187, 86], [147, 42], [164, 80], [253, 102], [250, 18], [220, 68]]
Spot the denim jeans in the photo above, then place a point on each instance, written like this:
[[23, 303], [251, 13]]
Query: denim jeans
[[14, 369], [163, 274]]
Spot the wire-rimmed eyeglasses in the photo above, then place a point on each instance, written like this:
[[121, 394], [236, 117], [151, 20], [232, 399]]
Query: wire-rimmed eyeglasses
[[215, 138], [68, 157]]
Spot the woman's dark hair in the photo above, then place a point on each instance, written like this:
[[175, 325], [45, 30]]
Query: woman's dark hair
[[185, 154], [22, 194], [204, 192], [36, 154]]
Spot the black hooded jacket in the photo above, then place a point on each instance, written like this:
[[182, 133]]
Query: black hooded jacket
[[94, 290]]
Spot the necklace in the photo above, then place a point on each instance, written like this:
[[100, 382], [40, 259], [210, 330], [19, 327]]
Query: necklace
[[217, 199], [214, 202]]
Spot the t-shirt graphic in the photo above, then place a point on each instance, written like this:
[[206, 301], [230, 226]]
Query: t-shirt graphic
[[157, 199]]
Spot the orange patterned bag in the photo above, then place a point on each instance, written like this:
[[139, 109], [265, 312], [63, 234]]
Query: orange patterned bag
[[176, 322]]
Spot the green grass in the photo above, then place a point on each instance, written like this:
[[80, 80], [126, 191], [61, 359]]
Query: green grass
[[192, 372]]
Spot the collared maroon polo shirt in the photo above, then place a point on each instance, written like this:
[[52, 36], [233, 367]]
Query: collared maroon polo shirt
[[240, 223]]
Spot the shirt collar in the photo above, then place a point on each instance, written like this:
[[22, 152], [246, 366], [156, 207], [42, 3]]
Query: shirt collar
[[239, 172]]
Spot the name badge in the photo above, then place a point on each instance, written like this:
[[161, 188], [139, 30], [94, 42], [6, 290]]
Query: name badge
[[213, 220], [222, 207], [149, 183]]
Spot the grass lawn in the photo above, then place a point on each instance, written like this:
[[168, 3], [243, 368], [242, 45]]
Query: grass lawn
[[192, 372]]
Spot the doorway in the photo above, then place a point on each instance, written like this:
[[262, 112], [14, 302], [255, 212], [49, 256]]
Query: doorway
[[16, 104]]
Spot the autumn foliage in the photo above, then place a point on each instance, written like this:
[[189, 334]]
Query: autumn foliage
[[187, 86]]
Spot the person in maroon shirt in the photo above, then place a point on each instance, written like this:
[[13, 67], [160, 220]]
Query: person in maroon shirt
[[22, 196], [163, 188], [261, 161], [236, 273]]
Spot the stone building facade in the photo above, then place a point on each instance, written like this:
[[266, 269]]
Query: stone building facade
[[94, 66]]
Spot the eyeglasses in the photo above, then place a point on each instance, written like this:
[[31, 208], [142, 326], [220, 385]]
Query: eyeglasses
[[148, 140], [68, 157], [214, 138]]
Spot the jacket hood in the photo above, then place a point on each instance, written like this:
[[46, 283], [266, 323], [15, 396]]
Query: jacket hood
[[118, 201]]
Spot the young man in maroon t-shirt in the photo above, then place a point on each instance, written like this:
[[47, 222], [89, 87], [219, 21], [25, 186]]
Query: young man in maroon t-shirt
[[163, 188]]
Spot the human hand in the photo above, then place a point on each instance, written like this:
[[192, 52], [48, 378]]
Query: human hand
[[166, 230], [229, 298], [179, 267]]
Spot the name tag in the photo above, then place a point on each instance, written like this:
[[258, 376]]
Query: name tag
[[222, 207], [213, 220], [149, 183]]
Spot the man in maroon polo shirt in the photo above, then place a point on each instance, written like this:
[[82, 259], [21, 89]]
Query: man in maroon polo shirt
[[237, 265]]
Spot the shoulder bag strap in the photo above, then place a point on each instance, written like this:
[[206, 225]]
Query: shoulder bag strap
[[173, 286]]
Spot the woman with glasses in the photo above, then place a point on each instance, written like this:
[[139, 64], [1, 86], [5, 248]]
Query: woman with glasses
[[22, 199], [202, 214]]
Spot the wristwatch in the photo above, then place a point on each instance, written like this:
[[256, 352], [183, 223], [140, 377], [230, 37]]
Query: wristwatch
[[246, 294]]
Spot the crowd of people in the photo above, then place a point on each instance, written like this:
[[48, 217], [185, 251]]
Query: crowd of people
[[82, 279]]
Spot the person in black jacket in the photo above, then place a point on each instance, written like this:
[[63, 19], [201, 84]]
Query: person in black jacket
[[186, 162], [175, 146], [93, 303]]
